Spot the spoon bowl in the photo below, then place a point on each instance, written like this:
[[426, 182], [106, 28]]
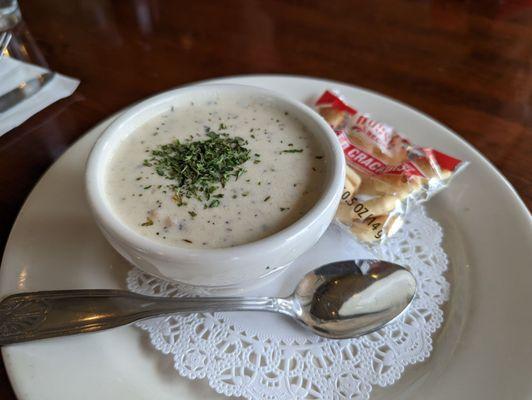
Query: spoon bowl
[[352, 298]]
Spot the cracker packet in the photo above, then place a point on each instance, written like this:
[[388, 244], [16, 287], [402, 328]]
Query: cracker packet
[[386, 174]]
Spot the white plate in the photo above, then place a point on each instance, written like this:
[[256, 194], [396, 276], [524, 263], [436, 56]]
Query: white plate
[[484, 350]]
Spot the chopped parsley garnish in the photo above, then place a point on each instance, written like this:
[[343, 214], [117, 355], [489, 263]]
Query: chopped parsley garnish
[[192, 214], [199, 168], [267, 198], [292, 151], [149, 222], [213, 203], [177, 199]]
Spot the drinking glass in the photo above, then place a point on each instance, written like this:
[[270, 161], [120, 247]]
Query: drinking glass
[[9, 14]]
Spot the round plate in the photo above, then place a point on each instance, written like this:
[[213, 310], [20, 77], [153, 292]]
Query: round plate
[[483, 351]]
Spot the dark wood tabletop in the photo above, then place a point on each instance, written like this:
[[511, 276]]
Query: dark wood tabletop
[[467, 64]]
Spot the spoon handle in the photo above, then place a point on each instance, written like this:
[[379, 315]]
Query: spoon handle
[[39, 315]]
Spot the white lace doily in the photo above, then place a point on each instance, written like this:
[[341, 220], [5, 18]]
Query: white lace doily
[[262, 356]]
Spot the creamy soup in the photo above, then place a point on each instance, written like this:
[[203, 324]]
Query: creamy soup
[[243, 169]]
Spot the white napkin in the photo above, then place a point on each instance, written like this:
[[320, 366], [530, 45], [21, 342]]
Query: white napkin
[[12, 73]]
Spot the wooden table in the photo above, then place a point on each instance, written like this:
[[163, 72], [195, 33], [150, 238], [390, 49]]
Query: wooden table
[[467, 64]]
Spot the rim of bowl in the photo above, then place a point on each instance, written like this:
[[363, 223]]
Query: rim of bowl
[[100, 153]]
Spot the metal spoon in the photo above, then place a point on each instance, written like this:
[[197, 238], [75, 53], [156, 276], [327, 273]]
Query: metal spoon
[[338, 300]]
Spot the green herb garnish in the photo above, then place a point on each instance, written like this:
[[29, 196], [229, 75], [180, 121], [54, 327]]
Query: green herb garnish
[[177, 199], [148, 222], [267, 198], [293, 151], [192, 214], [213, 203], [199, 168]]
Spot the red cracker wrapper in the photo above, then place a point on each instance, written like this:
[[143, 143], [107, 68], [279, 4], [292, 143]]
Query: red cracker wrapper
[[386, 173]]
